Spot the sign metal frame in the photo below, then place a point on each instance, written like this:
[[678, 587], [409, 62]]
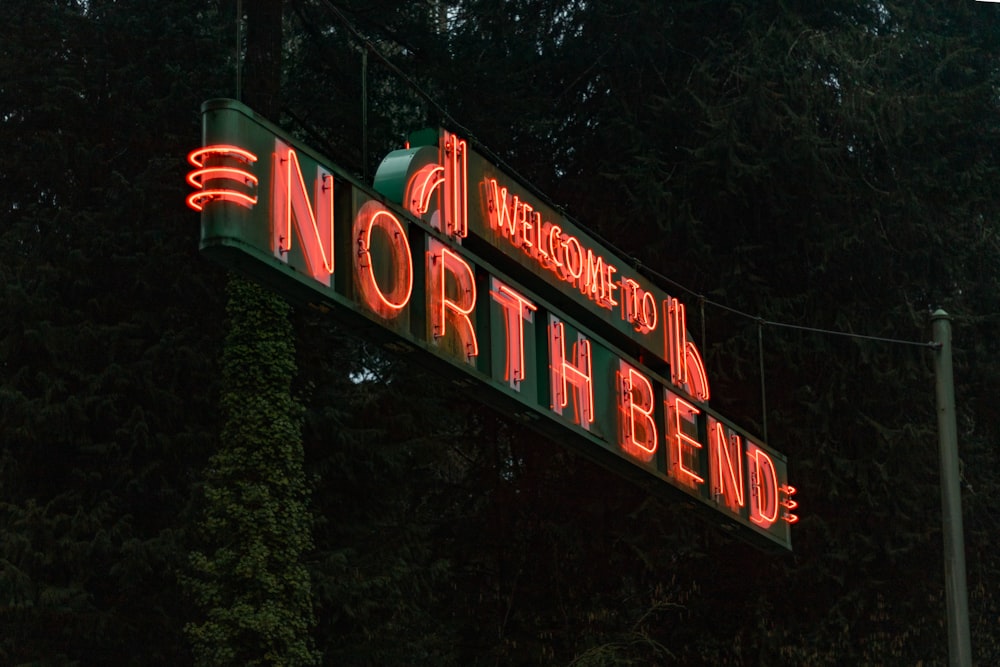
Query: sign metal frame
[[445, 259]]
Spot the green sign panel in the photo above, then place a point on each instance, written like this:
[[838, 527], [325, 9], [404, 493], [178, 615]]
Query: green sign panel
[[450, 259]]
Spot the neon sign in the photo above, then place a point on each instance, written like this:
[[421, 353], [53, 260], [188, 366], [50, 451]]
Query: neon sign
[[448, 257]]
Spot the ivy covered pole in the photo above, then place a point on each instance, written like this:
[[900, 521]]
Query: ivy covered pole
[[250, 580], [959, 645], [251, 583]]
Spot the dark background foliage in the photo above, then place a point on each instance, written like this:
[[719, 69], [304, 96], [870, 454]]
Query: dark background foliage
[[829, 164]]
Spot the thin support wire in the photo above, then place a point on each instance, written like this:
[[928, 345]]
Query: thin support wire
[[364, 114], [739, 313]]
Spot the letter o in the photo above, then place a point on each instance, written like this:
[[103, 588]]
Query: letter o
[[371, 215], [648, 312]]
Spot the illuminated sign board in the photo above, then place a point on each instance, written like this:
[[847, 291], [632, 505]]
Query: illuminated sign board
[[451, 259]]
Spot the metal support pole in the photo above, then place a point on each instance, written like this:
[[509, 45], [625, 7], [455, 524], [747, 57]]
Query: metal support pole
[[239, 50], [364, 113], [959, 645], [763, 384]]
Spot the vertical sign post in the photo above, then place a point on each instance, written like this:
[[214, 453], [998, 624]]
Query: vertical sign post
[[959, 646]]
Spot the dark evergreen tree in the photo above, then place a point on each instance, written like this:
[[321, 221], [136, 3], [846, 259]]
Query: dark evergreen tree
[[108, 380]]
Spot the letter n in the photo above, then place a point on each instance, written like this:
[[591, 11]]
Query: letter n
[[294, 218], [726, 465]]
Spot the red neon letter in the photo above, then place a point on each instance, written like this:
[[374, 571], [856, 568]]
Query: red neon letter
[[574, 259], [647, 313], [442, 262], [637, 432], [593, 278], [525, 227], [516, 310], [290, 201], [763, 486], [681, 418], [502, 217], [543, 250], [374, 215], [726, 456], [639, 308], [555, 243], [610, 286], [630, 302], [565, 373]]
